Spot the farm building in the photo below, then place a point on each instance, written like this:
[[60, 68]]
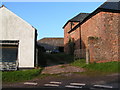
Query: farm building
[[74, 35], [51, 44], [97, 33], [17, 42]]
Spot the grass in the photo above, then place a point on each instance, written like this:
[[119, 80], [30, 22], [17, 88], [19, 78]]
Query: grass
[[17, 76], [98, 68], [23, 75], [91, 69], [80, 63], [62, 66]]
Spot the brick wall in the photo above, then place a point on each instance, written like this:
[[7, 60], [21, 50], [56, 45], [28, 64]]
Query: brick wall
[[73, 35], [66, 37], [76, 35], [103, 32], [100, 34], [119, 37]]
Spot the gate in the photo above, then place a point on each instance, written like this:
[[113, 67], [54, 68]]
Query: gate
[[8, 66]]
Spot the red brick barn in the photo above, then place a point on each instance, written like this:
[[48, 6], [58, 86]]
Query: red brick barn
[[73, 36], [99, 33]]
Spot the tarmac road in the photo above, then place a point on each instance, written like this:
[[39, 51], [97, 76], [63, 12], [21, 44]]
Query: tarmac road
[[70, 81]]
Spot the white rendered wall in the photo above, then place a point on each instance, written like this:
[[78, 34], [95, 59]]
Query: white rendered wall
[[15, 28]]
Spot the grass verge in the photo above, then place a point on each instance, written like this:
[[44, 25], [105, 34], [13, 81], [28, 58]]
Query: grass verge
[[17, 76], [98, 68]]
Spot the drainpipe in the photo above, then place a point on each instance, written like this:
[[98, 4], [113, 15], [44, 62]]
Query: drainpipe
[[80, 38]]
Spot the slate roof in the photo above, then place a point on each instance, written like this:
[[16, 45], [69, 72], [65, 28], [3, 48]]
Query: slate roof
[[110, 4], [107, 6], [78, 18]]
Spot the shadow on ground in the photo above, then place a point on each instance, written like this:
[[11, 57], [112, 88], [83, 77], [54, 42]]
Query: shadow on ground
[[45, 59]]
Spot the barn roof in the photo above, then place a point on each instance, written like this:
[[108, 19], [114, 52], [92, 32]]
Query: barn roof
[[52, 41], [78, 18], [108, 6]]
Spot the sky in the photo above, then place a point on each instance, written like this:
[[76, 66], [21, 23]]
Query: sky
[[49, 17]]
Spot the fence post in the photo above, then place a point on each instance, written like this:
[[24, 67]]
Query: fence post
[[87, 56]]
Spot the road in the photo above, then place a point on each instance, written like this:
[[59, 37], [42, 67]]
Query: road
[[71, 80]]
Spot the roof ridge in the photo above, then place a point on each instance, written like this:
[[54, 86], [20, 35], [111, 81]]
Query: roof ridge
[[78, 18], [106, 6], [18, 16], [52, 38], [2, 6], [78, 15]]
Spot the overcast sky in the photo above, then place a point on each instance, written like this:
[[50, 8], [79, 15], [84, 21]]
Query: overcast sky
[[49, 17]]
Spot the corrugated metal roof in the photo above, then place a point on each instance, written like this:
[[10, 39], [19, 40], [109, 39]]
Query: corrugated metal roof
[[51, 41]]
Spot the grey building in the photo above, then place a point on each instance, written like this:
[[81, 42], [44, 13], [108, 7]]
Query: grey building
[[52, 43]]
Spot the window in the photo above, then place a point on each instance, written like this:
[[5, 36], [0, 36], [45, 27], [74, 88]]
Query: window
[[9, 51]]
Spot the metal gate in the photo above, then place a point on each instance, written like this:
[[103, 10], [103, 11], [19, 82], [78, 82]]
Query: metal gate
[[8, 66]]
